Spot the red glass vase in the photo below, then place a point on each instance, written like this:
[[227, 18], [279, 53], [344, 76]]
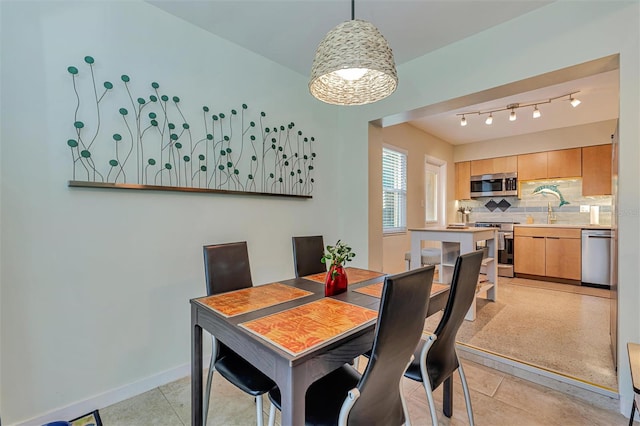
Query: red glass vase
[[336, 281]]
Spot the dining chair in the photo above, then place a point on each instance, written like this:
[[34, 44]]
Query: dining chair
[[633, 352], [344, 396], [227, 268], [435, 360], [307, 252]]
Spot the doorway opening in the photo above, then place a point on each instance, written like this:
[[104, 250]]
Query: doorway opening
[[539, 293]]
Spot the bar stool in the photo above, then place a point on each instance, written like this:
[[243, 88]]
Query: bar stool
[[428, 256]]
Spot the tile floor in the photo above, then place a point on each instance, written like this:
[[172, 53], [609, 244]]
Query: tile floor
[[497, 398]]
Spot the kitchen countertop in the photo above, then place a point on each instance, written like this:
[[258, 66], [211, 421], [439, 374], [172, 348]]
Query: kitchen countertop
[[561, 225], [465, 230]]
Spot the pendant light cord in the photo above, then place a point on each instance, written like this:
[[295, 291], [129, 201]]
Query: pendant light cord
[[353, 9]]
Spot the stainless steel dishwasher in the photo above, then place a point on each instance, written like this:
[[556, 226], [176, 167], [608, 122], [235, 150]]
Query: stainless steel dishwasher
[[596, 257]]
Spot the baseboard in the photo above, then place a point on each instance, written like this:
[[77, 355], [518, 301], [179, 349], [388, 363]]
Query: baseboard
[[110, 397]]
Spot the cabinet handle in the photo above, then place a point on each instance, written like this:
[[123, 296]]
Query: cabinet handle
[[537, 237], [553, 238]]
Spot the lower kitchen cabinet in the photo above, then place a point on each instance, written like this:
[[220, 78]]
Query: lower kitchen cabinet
[[548, 252], [529, 255], [563, 259]]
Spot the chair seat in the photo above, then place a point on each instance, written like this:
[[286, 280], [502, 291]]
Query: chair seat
[[438, 372], [325, 397], [244, 375], [429, 256]]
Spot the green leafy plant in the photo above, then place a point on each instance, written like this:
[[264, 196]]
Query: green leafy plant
[[337, 255]]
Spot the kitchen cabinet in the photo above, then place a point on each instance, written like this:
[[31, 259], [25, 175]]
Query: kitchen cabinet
[[596, 170], [463, 180], [551, 252], [564, 163], [529, 255], [561, 163], [532, 166], [489, 166]]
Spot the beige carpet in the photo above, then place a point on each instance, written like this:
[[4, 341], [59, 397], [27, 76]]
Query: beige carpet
[[549, 325]]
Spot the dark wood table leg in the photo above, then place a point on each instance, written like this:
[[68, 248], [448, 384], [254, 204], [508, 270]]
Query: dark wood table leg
[[196, 370], [447, 398]]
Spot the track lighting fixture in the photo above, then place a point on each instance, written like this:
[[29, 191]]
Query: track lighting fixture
[[536, 112], [514, 106], [489, 119]]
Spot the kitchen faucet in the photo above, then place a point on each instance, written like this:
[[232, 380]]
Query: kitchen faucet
[[551, 218]]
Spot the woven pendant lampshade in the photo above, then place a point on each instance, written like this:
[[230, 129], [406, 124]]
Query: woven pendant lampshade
[[353, 66]]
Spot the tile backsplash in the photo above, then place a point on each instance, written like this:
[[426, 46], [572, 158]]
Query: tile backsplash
[[535, 206]]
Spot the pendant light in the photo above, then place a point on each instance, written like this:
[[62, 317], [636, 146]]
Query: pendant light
[[353, 65]]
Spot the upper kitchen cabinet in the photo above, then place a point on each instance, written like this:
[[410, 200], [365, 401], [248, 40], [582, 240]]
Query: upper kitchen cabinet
[[532, 166], [596, 170], [562, 163], [463, 180], [490, 166]]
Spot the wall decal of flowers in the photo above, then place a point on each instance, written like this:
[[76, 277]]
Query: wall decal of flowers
[[154, 141]]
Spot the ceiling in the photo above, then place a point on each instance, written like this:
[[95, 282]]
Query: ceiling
[[288, 32]]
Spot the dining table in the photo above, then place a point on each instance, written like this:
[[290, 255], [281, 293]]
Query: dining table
[[292, 333]]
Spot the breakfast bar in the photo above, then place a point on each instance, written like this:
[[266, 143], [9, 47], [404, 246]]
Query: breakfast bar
[[455, 242]]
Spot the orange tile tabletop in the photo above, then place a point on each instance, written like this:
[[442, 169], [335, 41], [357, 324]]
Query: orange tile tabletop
[[253, 298], [354, 275], [304, 327]]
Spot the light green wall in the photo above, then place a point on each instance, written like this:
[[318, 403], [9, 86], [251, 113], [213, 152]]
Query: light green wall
[[96, 284]]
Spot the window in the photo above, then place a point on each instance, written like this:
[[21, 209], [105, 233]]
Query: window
[[434, 172], [394, 191]]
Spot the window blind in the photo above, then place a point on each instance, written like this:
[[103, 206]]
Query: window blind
[[394, 191]]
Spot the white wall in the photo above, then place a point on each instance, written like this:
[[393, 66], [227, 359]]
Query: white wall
[[556, 36], [95, 284]]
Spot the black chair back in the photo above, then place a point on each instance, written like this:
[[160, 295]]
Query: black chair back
[[226, 267], [307, 252], [442, 360], [403, 309]]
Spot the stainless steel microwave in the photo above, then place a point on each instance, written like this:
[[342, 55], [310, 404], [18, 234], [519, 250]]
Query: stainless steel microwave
[[495, 185]]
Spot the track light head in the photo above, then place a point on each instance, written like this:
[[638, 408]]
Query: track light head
[[536, 112], [512, 115], [489, 119], [574, 102], [463, 121]]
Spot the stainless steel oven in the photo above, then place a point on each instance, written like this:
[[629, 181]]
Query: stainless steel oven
[[505, 246], [495, 185]]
